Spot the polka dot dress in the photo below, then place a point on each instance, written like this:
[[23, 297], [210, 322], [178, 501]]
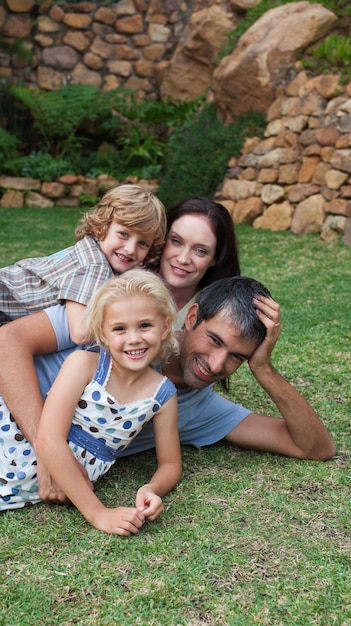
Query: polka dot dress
[[101, 429]]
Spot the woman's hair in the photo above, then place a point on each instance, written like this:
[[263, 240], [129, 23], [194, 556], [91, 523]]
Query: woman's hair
[[226, 254], [132, 207], [131, 283]]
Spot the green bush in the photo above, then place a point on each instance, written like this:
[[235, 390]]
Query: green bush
[[141, 129], [198, 152], [334, 52], [40, 165], [9, 145], [59, 115], [91, 132]]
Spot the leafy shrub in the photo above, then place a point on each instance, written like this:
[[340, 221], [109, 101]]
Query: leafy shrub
[[86, 200], [41, 165], [107, 161], [8, 146], [198, 153], [335, 52], [73, 122], [141, 129], [335, 49], [58, 115]]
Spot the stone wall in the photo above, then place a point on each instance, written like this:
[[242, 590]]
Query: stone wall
[[299, 176], [127, 43], [68, 190]]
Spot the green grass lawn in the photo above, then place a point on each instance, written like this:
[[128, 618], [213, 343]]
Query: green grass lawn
[[246, 538]]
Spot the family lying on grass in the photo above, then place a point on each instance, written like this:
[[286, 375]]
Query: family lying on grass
[[122, 395]]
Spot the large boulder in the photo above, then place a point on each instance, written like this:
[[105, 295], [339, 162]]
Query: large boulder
[[265, 56], [190, 70]]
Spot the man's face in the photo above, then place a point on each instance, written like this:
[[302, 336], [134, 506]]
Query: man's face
[[211, 351]]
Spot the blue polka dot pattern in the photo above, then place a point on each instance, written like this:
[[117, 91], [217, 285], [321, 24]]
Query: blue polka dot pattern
[[105, 423], [103, 420]]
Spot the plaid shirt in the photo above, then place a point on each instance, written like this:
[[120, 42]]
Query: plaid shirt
[[34, 284]]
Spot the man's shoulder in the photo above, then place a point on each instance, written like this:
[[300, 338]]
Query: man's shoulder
[[188, 394]]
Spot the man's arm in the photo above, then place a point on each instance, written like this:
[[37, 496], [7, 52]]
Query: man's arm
[[20, 340], [300, 433]]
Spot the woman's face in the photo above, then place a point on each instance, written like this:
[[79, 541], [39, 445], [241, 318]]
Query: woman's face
[[189, 251]]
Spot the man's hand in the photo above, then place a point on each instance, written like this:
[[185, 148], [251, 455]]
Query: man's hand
[[49, 490], [268, 312]]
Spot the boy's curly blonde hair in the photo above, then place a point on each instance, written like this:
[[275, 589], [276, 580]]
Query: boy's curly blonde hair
[[131, 206], [134, 282]]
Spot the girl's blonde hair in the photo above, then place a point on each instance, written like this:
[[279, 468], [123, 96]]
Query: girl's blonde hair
[[132, 207], [131, 283]]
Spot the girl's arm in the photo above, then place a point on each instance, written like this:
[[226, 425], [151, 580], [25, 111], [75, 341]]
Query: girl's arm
[[169, 462], [53, 450]]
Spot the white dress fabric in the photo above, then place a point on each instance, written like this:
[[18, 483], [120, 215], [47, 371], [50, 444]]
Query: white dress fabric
[[101, 430]]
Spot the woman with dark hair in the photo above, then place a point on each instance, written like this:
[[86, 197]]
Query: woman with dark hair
[[200, 248]]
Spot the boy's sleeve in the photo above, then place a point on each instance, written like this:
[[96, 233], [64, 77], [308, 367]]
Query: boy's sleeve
[[81, 285]]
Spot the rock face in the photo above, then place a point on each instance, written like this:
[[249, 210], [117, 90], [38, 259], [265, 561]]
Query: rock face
[[127, 43], [299, 176], [66, 191], [190, 70], [158, 48], [265, 55]]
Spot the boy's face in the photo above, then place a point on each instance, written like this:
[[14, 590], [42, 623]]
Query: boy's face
[[124, 248], [212, 351]]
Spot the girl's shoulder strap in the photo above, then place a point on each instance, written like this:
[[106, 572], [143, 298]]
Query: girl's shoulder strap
[[104, 365], [165, 391]]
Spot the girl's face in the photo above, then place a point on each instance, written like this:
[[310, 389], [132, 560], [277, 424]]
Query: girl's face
[[133, 331], [189, 251], [124, 248]]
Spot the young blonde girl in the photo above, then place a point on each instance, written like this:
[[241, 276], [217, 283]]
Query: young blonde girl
[[131, 319], [125, 228]]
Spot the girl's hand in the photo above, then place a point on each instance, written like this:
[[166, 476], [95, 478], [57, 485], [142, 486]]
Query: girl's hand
[[149, 503], [122, 521]]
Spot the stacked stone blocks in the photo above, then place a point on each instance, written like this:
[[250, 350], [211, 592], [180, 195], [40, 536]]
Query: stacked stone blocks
[[299, 176]]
